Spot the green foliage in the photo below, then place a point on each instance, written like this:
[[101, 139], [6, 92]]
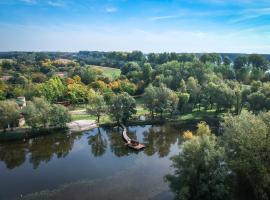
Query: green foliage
[[59, 116], [78, 93], [52, 89], [258, 98], [97, 106], [37, 113], [183, 101], [160, 99], [122, 107], [200, 169], [247, 143], [9, 114]]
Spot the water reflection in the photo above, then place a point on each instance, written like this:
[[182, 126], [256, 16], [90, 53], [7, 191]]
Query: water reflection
[[40, 149], [13, 155], [158, 139], [98, 144], [53, 160]]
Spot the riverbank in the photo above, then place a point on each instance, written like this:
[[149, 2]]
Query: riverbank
[[191, 119]]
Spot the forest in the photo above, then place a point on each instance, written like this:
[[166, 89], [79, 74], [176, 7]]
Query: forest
[[113, 87]]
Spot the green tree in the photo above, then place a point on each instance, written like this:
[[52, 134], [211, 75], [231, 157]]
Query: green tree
[[193, 88], [52, 89], [247, 144], [257, 61], [200, 170], [122, 107], [10, 114], [240, 62], [150, 99], [37, 113], [97, 106], [183, 101], [59, 116], [182, 86], [227, 60]]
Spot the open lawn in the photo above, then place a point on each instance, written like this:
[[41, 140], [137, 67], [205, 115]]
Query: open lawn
[[108, 71]]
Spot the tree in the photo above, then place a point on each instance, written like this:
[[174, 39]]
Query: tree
[[193, 88], [10, 114], [52, 89], [227, 60], [257, 61], [200, 170], [122, 107], [160, 99], [37, 113], [59, 116], [182, 86], [147, 70], [97, 106], [150, 99], [240, 62], [247, 144], [89, 75], [78, 93], [183, 101]]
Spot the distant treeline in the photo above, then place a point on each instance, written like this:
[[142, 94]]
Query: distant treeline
[[118, 59]]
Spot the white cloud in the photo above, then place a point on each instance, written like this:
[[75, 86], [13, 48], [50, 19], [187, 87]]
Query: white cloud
[[162, 17], [248, 14], [56, 3], [111, 9], [29, 1]]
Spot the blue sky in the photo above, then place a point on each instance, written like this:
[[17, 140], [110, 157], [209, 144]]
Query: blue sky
[[125, 25]]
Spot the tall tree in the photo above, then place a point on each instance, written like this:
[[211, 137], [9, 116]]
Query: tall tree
[[10, 114], [97, 106], [122, 107]]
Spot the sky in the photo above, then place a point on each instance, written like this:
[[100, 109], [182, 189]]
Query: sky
[[229, 26]]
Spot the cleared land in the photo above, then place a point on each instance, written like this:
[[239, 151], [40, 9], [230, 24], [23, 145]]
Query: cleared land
[[109, 71]]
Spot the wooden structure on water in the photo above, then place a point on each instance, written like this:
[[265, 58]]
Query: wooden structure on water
[[134, 144]]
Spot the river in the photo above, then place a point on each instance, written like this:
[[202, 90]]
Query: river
[[90, 165]]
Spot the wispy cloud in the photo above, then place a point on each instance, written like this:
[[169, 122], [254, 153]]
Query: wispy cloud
[[251, 14], [111, 9], [56, 3], [155, 18], [29, 1]]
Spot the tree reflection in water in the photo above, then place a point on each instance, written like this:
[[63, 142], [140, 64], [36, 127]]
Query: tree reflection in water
[[98, 143], [40, 149], [13, 155], [158, 139]]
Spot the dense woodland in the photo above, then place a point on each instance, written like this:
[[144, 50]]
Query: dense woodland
[[233, 165]]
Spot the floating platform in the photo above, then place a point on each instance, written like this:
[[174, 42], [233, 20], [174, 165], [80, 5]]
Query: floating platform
[[137, 147], [134, 144]]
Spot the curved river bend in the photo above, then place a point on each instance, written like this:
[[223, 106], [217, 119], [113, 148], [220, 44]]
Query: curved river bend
[[90, 165]]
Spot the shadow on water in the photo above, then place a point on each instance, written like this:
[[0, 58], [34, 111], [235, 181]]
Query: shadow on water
[[83, 162]]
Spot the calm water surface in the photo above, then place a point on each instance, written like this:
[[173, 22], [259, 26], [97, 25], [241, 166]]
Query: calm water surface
[[89, 165]]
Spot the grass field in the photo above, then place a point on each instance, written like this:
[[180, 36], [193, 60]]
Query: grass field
[[1, 60], [108, 71]]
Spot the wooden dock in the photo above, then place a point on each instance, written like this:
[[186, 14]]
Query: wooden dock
[[130, 142]]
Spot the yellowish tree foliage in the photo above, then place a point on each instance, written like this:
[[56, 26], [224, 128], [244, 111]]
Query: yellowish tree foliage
[[203, 129], [187, 135]]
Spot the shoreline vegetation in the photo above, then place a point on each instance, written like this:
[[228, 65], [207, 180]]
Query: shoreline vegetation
[[190, 119]]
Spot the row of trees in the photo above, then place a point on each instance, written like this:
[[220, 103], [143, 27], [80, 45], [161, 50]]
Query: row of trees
[[232, 166], [37, 113]]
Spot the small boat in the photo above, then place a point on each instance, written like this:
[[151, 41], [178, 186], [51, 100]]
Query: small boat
[[134, 144]]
